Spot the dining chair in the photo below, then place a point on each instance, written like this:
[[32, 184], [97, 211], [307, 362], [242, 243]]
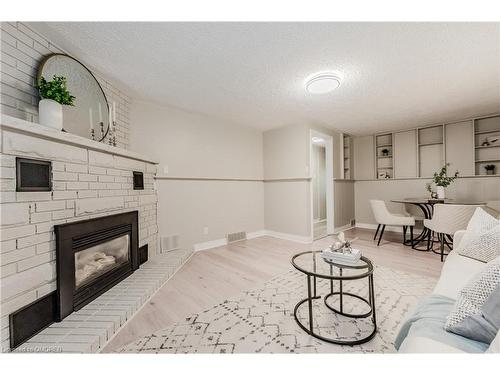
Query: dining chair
[[446, 220], [384, 217]]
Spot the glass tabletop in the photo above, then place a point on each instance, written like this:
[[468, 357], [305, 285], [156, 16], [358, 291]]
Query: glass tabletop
[[313, 264], [434, 201]]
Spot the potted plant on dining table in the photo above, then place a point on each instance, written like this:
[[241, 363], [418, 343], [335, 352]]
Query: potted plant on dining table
[[442, 180]]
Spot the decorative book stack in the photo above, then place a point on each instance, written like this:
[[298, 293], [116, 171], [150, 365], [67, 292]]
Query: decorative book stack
[[349, 258]]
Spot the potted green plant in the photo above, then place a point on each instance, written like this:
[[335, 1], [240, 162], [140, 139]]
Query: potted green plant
[[490, 168], [442, 180], [385, 152], [54, 94]]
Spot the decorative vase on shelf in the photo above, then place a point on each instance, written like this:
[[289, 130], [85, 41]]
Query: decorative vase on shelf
[[440, 192], [50, 113]]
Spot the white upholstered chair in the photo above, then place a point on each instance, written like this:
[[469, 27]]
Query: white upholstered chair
[[384, 217], [446, 220]]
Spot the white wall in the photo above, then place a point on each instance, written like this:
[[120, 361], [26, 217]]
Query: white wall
[[287, 188], [344, 202], [202, 154], [286, 153], [287, 208], [193, 145]]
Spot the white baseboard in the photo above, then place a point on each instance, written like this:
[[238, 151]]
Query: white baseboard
[[387, 228], [289, 237], [292, 237], [256, 234], [250, 235], [209, 244], [342, 228]]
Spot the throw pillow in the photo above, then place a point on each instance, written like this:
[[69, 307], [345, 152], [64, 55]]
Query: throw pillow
[[481, 240], [476, 314]]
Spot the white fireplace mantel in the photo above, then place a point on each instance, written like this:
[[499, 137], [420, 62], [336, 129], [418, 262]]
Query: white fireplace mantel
[[34, 129]]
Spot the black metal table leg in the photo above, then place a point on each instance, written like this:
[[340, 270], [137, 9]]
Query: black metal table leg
[[423, 236], [328, 273], [309, 302], [372, 301], [341, 295]]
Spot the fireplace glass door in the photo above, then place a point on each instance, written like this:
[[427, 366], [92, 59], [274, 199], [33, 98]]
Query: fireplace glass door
[[100, 259]]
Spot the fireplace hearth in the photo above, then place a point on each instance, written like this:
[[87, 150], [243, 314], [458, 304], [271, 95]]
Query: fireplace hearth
[[91, 257]]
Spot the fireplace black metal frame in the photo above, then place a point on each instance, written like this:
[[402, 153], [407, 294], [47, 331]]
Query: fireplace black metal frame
[[74, 237]]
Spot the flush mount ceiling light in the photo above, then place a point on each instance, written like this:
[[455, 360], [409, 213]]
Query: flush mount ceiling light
[[322, 83]]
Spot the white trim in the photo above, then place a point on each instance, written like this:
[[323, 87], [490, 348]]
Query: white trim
[[251, 235], [329, 181], [256, 234], [388, 228], [13, 124], [343, 228], [289, 237], [209, 244]]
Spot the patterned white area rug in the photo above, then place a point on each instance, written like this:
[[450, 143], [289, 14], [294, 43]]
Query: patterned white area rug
[[262, 321]]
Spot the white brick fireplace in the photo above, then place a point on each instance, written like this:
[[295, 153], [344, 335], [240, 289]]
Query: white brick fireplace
[[90, 179]]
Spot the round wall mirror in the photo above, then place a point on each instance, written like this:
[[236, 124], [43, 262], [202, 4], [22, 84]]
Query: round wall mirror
[[91, 106]]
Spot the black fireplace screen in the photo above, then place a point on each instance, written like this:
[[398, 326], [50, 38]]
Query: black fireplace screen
[[100, 259], [92, 256]]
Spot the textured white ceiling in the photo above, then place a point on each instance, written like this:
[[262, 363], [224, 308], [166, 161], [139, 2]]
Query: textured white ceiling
[[395, 75]]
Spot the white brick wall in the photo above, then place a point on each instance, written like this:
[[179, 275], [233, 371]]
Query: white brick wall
[[87, 184], [21, 51]]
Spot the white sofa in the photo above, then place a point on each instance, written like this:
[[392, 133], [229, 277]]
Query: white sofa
[[457, 271]]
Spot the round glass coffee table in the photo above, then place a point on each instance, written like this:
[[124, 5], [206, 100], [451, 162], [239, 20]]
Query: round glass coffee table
[[314, 266]]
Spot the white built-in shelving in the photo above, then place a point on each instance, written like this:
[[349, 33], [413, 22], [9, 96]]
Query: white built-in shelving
[[486, 144], [347, 155], [467, 145], [383, 156], [430, 149]]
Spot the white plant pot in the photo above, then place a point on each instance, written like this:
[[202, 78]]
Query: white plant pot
[[440, 192], [50, 113]]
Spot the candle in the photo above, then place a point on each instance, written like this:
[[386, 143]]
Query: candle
[[114, 111], [91, 119], [100, 113]]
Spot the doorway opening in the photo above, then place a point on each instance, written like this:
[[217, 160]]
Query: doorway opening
[[322, 185]]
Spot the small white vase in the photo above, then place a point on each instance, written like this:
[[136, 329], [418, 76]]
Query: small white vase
[[50, 113], [440, 192]]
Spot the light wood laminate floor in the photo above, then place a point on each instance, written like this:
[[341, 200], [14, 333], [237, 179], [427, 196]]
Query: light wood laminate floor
[[211, 276]]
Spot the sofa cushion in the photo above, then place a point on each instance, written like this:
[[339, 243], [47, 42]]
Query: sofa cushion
[[476, 314], [428, 321], [421, 344], [481, 240], [456, 273], [495, 345]]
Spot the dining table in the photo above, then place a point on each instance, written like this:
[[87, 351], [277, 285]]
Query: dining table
[[426, 205]]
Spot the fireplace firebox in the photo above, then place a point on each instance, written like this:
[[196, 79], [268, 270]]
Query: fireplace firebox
[[92, 256]]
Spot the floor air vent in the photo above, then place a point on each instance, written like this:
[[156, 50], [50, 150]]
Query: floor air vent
[[238, 236], [169, 243]]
